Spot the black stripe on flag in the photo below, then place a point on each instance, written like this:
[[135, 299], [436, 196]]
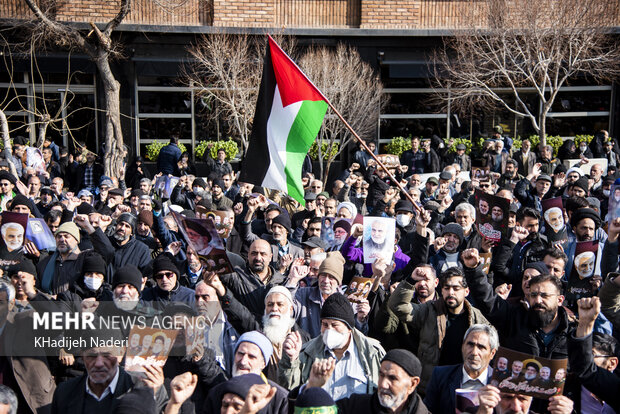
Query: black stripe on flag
[[256, 161]]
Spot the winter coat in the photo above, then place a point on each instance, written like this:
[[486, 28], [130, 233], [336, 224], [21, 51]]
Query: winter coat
[[430, 320]]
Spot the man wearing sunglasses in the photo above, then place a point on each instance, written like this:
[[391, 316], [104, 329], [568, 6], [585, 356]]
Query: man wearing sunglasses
[[167, 288]]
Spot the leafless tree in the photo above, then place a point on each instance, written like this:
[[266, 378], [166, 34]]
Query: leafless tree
[[227, 70], [541, 45], [353, 88], [99, 46]]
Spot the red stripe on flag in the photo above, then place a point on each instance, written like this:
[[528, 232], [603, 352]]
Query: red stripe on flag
[[293, 84]]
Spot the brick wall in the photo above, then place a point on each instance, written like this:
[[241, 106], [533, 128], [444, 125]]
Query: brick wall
[[244, 13], [393, 14]]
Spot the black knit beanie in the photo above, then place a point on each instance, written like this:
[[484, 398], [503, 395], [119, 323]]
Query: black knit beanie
[[163, 263], [406, 360], [338, 307], [128, 274], [94, 263]]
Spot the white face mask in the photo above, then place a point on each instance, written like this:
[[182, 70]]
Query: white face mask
[[93, 283], [196, 189], [334, 339], [606, 193], [403, 220], [582, 148]]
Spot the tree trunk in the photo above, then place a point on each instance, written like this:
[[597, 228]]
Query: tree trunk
[[543, 128], [324, 179], [45, 121], [4, 127], [115, 152]]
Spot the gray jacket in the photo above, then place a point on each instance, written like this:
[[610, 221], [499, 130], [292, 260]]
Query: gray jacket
[[370, 352]]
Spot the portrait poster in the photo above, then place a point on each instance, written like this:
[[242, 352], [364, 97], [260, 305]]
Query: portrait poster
[[201, 235], [467, 401], [223, 221], [480, 173], [378, 240], [553, 214], [486, 262], [613, 211], [195, 335], [519, 373], [13, 229], [340, 233], [359, 288], [492, 213], [34, 159], [40, 234], [327, 230], [148, 346], [584, 267], [164, 185]]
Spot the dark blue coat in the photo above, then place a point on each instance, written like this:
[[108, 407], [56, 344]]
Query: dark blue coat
[[168, 158]]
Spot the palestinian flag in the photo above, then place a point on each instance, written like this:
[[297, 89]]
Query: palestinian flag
[[289, 114]]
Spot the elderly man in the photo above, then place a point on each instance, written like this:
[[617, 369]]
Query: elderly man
[[104, 381], [357, 356], [276, 323], [399, 376], [58, 271], [448, 255], [167, 288], [252, 353], [308, 300], [122, 248], [478, 349]]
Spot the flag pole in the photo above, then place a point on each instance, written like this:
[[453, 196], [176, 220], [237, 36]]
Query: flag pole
[[374, 157], [357, 137]]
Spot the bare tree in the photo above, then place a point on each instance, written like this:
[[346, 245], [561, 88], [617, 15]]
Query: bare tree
[[353, 88], [227, 69], [541, 45], [99, 46]]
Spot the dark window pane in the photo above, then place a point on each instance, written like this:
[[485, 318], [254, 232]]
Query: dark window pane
[[164, 102], [578, 101]]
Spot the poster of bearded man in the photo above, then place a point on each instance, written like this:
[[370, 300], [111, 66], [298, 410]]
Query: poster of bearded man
[[581, 283], [553, 214], [379, 233]]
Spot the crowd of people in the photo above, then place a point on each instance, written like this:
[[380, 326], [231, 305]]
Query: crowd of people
[[280, 335]]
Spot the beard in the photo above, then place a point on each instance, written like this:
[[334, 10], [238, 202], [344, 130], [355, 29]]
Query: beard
[[120, 237], [126, 305], [541, 317], [257, 267], [389, 400], [276, 329]]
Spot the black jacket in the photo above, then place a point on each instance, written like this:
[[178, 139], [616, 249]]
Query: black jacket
[[134, 252], [248, 289], [369, 403]]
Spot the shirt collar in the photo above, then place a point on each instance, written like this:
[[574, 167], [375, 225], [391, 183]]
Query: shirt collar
[[483, 377], [109, 389]]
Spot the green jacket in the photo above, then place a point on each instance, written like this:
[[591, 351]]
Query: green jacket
[[370, 352], [429, 321]]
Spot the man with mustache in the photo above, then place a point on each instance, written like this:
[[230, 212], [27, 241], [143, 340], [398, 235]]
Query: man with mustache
[[541, 328], [122, 248], [250, 284], [451, 314], [478, 349]]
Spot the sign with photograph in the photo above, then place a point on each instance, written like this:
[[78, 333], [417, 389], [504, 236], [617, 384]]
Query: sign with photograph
[[584, 267], [519, 373], [13, 230], [201, 235], [327, 231], [40, 234], [378, 238], [148, 346], [553, 214], [164, 185], [195, 335], [492, 213], [359, 288], [613, 211]]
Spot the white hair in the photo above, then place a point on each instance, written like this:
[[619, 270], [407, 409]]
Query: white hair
[[8, 226], [319, 257], [487, 329], [466, 207]]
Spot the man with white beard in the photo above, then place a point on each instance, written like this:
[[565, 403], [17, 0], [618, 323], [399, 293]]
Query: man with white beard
[[276, 322]]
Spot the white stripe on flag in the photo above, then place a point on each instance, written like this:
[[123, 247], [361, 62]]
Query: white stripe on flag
[[278, 127]]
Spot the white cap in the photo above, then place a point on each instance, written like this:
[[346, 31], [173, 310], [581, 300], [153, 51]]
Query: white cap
[[575, 169], [280, 289]]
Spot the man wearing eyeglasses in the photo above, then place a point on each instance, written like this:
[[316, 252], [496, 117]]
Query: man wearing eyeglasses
[[167, 287]]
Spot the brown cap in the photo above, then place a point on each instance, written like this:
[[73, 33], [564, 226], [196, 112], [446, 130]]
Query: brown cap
[[333, 265], [146, 217]]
